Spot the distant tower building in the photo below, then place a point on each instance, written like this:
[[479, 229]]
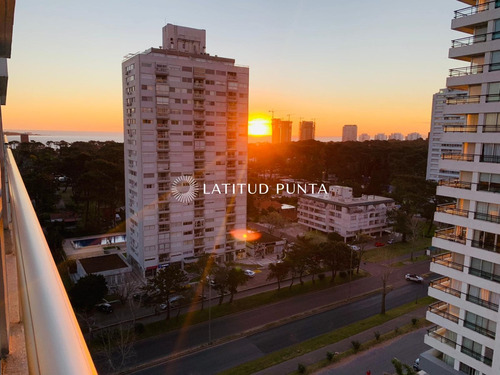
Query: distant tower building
[[380, 137], [307, 130], [364, 137], [185, 122], [397, 137], [281, 131], [349, 133], [25, 138], [413, 136], [441, 124]]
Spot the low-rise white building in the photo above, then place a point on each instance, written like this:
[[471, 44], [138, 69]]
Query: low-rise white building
[[340, 212]]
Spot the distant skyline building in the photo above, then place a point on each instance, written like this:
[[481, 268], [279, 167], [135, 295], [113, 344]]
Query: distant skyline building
[[413, 136], [380, 137], [307, 130], [441, 123], [396, 136], [281, 130], [185, 123], [465, 333], [349, 133], [364, 137]]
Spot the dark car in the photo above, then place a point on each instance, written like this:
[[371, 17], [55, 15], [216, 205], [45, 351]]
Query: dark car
[[105, 308]]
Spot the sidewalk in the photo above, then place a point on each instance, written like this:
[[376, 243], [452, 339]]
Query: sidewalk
[[343, 345]]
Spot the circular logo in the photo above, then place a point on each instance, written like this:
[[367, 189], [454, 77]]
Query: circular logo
[[185, 189]]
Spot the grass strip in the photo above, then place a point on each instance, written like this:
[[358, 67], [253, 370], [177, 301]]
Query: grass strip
[[422, 322], [318, 342], [396, 250], [238, 305]]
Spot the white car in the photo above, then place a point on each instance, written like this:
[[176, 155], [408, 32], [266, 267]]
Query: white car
[[175, 301], [355, 247], [413, 277], [249, 273]]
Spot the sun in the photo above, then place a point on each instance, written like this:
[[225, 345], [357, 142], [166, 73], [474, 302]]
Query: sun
[[259, 127]]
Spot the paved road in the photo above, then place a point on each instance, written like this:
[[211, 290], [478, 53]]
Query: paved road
[[378, 360], [213, 360]]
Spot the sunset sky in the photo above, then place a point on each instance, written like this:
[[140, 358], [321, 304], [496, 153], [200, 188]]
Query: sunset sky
[[371, 63]]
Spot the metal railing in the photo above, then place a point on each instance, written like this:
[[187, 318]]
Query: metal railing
[[480, 329], [484, 274], [481, 302], [457, 156], [452, 210], [474, 9], [450, 235], [476, 355], [487, 217], [54, 341], [445, 260], [442, 284], [460, 128], [489, 159], [456, 184], [433, 332], [441, 308], [469, 40]]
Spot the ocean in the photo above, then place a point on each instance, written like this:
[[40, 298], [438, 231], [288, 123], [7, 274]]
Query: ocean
[[43, 136]]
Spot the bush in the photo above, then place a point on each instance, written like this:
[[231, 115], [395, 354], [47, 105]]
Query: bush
[[329, 356], [355, 345], [139, 328], [414, 321], [396, 330], [301, 368], [321, 276], [377, 335], [343, 274]]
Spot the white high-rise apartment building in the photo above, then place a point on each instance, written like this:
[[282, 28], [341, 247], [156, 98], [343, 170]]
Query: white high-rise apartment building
[[396, 137], [440, 124], [380, 137], [349, 133], [466, 316], [186, 117], [363, 137], [307, 130]]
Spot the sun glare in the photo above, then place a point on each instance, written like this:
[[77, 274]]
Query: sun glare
[[259, 127]]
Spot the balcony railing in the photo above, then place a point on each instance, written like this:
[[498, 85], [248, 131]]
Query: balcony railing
[[440, 308], [456, 184], [457, 156], [490, 159], [476, 355], [433, 332], [450, 235], [460, 128], [443, 284], [50, 325], [467, 70], [445, 260], [481, 302], [484, 274], [469, 40], [469, 11], [482, 330], [485, 245], [452, 210], [487, 217]]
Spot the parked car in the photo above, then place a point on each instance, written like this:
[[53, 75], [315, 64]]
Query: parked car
[[175, 301], [414, 277], [355, 247], [379, 244], [105, 308], [249, 273], [390, 241]]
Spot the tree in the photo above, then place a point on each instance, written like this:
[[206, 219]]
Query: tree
[[118, 346], [221, 280], [385, 290], [165, 284], [235, 278], [204, 268], [361, 241], [88, 291], [274, 220], [398, 367], [128, 288], [278, 271], [298, 257], [415, 227], [336, 256]]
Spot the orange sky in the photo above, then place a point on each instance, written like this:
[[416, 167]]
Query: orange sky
[[65, 70]]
